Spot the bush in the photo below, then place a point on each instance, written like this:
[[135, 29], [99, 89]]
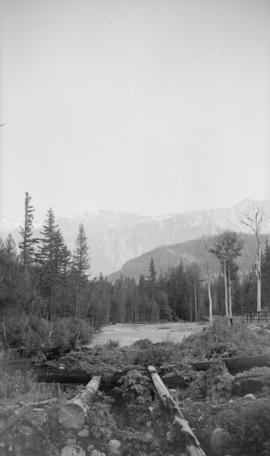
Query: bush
[[70, 332], [224, 339], [34, 333], [248, 424], [146, 353], [27, 331]]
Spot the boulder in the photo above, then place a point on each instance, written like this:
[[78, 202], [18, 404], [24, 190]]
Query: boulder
[[219, 442], [115, 447], [250, 396]]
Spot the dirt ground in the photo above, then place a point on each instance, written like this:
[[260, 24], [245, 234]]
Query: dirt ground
[[126, 334]]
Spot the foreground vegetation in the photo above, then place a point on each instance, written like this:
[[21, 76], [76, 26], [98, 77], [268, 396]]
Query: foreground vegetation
[[128, 411]]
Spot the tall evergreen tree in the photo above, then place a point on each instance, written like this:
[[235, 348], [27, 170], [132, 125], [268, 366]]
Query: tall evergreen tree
[[46, 256], [81, 265], [81, 261], [28, 242], [152, 271]]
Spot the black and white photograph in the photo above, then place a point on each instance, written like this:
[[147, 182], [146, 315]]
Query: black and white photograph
[[134, 227]]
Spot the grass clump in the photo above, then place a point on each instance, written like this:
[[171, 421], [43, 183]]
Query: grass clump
[[227, 340], [248, 425], [21, 386]]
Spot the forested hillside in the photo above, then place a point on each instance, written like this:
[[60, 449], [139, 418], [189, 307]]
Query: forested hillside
[[194, 251]]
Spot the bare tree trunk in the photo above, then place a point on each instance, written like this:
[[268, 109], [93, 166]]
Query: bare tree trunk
[[255, 221], [210, 300], [226, 290], [258, 275], [196, 303], [190, 308], [230, 294]]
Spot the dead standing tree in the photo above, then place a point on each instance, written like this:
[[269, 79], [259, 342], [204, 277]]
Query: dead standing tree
[[254, 220], [227, 247]]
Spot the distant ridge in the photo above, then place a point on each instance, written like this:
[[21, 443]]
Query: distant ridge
[[187, 252], [116, 237]]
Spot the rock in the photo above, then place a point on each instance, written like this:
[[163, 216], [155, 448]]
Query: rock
[[71, 441], [148, 436], [83, 433], [219, 441], [250, 396], [72, 450], [97, 453], [170, 437], [2, 422], [26, 430], [115, 447]]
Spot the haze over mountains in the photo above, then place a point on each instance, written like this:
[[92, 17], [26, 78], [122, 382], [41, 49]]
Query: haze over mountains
[[115, 237]]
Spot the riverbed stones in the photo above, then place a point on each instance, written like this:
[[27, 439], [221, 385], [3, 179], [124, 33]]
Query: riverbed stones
[[84, 433], [115, 447], [72, 450]]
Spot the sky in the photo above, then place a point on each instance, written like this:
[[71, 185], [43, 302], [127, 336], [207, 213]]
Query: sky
[[145, 106]]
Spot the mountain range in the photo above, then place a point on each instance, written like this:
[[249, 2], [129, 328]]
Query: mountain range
[[115, 238]]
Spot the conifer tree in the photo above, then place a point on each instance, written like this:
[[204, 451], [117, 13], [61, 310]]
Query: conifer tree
[[81, 265], [10, 247], [152, 278], [46, 256], [152, 271], [81, 262], [27, 244]]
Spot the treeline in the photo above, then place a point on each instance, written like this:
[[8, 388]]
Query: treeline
[[44, 278]]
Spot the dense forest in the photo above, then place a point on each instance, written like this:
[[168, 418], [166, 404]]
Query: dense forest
[[44, 279]]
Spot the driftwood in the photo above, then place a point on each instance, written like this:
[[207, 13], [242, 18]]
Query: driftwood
[[192, 444], [72, 414]]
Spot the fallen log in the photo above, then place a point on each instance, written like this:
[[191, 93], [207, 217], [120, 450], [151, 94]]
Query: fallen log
[[72, 414], [236, 364], [251, 381], [58, 375], [193, 447]]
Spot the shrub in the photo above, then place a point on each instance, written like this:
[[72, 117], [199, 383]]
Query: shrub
[[224, 339], [248, 424], [27, 331], [33, 333], [146, 353], [70, 332]]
